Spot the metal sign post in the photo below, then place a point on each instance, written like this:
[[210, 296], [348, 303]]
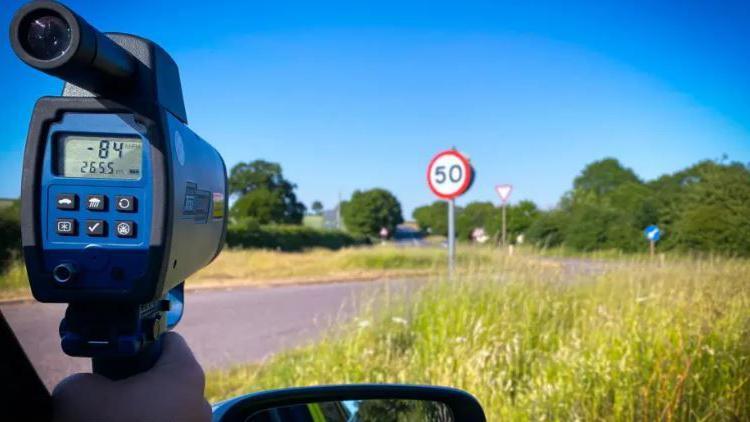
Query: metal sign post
[[504, 191], [449, 175], [504, 227], [451, 235], [652, 234]]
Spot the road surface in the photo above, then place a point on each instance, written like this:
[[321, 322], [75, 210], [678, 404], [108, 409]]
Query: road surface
[[408, 236], [223, 327]]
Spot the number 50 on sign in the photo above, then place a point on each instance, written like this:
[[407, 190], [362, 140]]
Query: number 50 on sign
[[449, 174]]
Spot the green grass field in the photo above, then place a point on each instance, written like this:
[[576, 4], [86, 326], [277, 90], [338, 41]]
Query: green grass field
[[532, 336], [263, 267], [645, 340], [13, 282], [236, 267]]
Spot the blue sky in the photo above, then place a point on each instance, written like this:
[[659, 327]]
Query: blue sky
[[354, 95]]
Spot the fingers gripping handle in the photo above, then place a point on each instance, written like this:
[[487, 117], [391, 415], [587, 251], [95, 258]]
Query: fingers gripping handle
[[122, 340], [125, 367]]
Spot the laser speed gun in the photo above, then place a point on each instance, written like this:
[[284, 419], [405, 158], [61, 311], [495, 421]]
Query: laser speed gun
[[121, 201]]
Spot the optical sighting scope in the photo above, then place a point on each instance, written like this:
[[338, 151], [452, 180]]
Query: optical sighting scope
[[121, 201]]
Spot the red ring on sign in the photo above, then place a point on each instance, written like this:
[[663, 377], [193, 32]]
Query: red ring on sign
[[467, 180]]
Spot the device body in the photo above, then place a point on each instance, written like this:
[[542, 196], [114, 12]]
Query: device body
[[173, 209], [121, 201], [174, 212]]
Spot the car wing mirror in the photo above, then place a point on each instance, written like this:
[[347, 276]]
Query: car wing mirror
[[353, 403]]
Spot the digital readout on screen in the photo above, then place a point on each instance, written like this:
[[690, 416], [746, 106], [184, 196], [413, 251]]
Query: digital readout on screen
[[100, 157]]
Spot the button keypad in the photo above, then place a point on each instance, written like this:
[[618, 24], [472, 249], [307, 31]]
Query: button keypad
[[94, 205]]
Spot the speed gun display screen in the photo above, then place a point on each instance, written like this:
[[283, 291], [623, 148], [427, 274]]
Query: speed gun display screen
[[100, 157]]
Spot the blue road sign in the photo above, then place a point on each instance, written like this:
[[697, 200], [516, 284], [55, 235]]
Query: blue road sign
[[652, 233]]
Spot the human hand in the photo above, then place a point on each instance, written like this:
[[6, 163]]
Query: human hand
[[170, 391]]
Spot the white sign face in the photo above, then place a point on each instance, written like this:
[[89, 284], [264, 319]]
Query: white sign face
[[503, 191], [449, 174]]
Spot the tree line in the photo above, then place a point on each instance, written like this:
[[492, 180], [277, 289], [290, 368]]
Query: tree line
[[702, 208], [265, 200]]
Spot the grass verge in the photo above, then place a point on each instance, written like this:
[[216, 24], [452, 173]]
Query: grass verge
[[235, 267], [643, 340], [13, 282], [259, 267]]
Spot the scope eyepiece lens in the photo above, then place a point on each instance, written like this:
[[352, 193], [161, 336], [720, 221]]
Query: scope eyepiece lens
[[45, 36]]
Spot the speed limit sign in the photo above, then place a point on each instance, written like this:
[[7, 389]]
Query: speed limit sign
[[449, 174]]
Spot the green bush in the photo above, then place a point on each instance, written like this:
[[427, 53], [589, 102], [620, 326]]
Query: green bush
[[478, 215], [367, 212], [704, 208], [548, 230], [248, 233], [433, 218], [485, 215], [715, 216], [264, 193], [10, 234]]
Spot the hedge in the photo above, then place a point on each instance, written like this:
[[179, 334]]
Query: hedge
[[291, 238]]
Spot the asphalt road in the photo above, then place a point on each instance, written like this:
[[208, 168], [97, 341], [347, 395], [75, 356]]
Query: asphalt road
[[223, 327], [408, 236]]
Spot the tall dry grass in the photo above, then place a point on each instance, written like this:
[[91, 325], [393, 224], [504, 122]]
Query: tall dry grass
[[13, 282], [248, 267], [236, 267], [537, 339]]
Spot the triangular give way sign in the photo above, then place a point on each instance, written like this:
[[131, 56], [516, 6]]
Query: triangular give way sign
[[503, 191]]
